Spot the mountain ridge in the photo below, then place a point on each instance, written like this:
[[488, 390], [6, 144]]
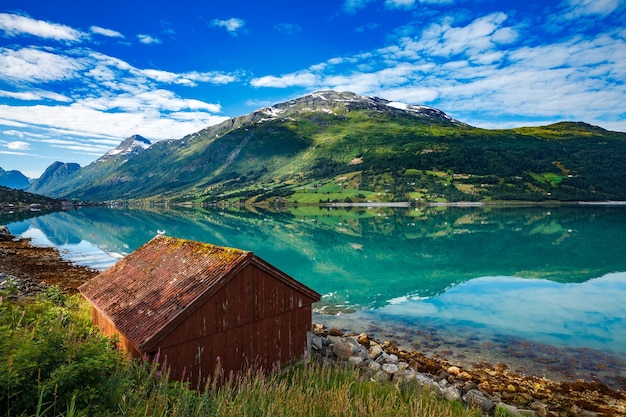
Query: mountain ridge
[[382, 150], [13, 179]]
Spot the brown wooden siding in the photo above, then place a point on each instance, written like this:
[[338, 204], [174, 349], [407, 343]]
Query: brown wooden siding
[[109, 329], [265, 344], [253, 320]]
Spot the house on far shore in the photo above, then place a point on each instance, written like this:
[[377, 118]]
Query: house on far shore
[[198, 304]]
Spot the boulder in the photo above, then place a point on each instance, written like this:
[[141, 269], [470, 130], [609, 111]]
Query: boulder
[[335, 332], [427, 382], [479, 399], [454, 370], [404, 375], [364, 340], [391, 359], [317, 342], [344, 348], [375, 351], [5, 234], [451, 394], [390, 368], [355, 361], [540, 408], [381, 375], [508, 410], [374, 366]]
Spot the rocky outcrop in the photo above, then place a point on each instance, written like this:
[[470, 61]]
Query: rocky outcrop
[[493, 390], [5, 234]]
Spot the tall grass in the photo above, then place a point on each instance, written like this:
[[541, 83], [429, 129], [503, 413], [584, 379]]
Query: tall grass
[[54, 363], [312, 389]]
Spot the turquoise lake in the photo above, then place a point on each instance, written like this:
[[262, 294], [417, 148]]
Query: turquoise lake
[[540, 289]]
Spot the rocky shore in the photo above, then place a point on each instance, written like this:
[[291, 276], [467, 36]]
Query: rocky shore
[[33, 267], [491, 387]]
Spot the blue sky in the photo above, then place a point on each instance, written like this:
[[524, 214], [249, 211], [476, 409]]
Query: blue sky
[[77, 77]]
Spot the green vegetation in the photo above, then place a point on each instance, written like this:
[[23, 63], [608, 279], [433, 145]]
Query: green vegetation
[[22, 198], [386, 155], [54, 363]]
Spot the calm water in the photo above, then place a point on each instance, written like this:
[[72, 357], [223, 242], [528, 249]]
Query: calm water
[[540, 289]]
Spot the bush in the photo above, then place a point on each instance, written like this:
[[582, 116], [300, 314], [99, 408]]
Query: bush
[[51, 352]]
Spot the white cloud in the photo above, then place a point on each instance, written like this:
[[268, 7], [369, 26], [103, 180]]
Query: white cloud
[[121, 99], [15, 153], [16, 25], [17, 133], [105, 32], [35, 96], [232, 25], [400, 4], [578, 8], [475, 37], [18, 146], [189, 78], [148, 40], [82, 120], [352, 6], [35, 65], [301, 79], [290, 29], [479, 73]]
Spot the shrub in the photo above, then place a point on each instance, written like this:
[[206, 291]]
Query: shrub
[[51, 352]]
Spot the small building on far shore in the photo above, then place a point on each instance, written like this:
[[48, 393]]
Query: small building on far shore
[[197, 304]]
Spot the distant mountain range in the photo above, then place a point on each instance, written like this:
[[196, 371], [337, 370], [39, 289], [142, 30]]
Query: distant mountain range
[[339, 147], [64, 179], [13, 179]]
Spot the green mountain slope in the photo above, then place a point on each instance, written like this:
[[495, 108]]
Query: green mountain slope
[[61, 179], [331, 146]]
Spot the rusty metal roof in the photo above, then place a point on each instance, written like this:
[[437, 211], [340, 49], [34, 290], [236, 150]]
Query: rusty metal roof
[[153, 287]]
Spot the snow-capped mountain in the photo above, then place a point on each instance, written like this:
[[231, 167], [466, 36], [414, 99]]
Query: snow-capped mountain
[[336, 102], [366, 147], [127, 149]]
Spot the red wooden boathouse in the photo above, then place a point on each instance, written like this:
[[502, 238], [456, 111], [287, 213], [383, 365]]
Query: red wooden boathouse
[[198, 304]]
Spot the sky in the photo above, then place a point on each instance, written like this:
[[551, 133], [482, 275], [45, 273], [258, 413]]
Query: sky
[[78, 77]]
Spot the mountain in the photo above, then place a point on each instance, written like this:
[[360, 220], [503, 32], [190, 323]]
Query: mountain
[[126, 150], [62, 179], [336, 146], [13, 179], [56, 174]]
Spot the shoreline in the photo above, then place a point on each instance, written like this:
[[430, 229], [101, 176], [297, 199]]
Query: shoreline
[[44, 264]]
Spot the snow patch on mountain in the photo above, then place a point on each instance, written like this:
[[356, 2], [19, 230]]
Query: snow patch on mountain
[[128, 148]]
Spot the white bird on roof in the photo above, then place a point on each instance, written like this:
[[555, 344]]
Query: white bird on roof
[[160, 232]]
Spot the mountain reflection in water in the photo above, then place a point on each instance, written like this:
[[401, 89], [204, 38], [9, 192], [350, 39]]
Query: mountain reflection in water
[[552, 275]]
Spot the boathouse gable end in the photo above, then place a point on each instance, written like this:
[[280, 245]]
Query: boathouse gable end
[[196, 303]]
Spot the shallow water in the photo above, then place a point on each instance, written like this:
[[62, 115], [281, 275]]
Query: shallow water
[[539, 287]]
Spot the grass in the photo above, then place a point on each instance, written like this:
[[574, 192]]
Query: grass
[[548, 178], [50, 353], [312, 389]]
